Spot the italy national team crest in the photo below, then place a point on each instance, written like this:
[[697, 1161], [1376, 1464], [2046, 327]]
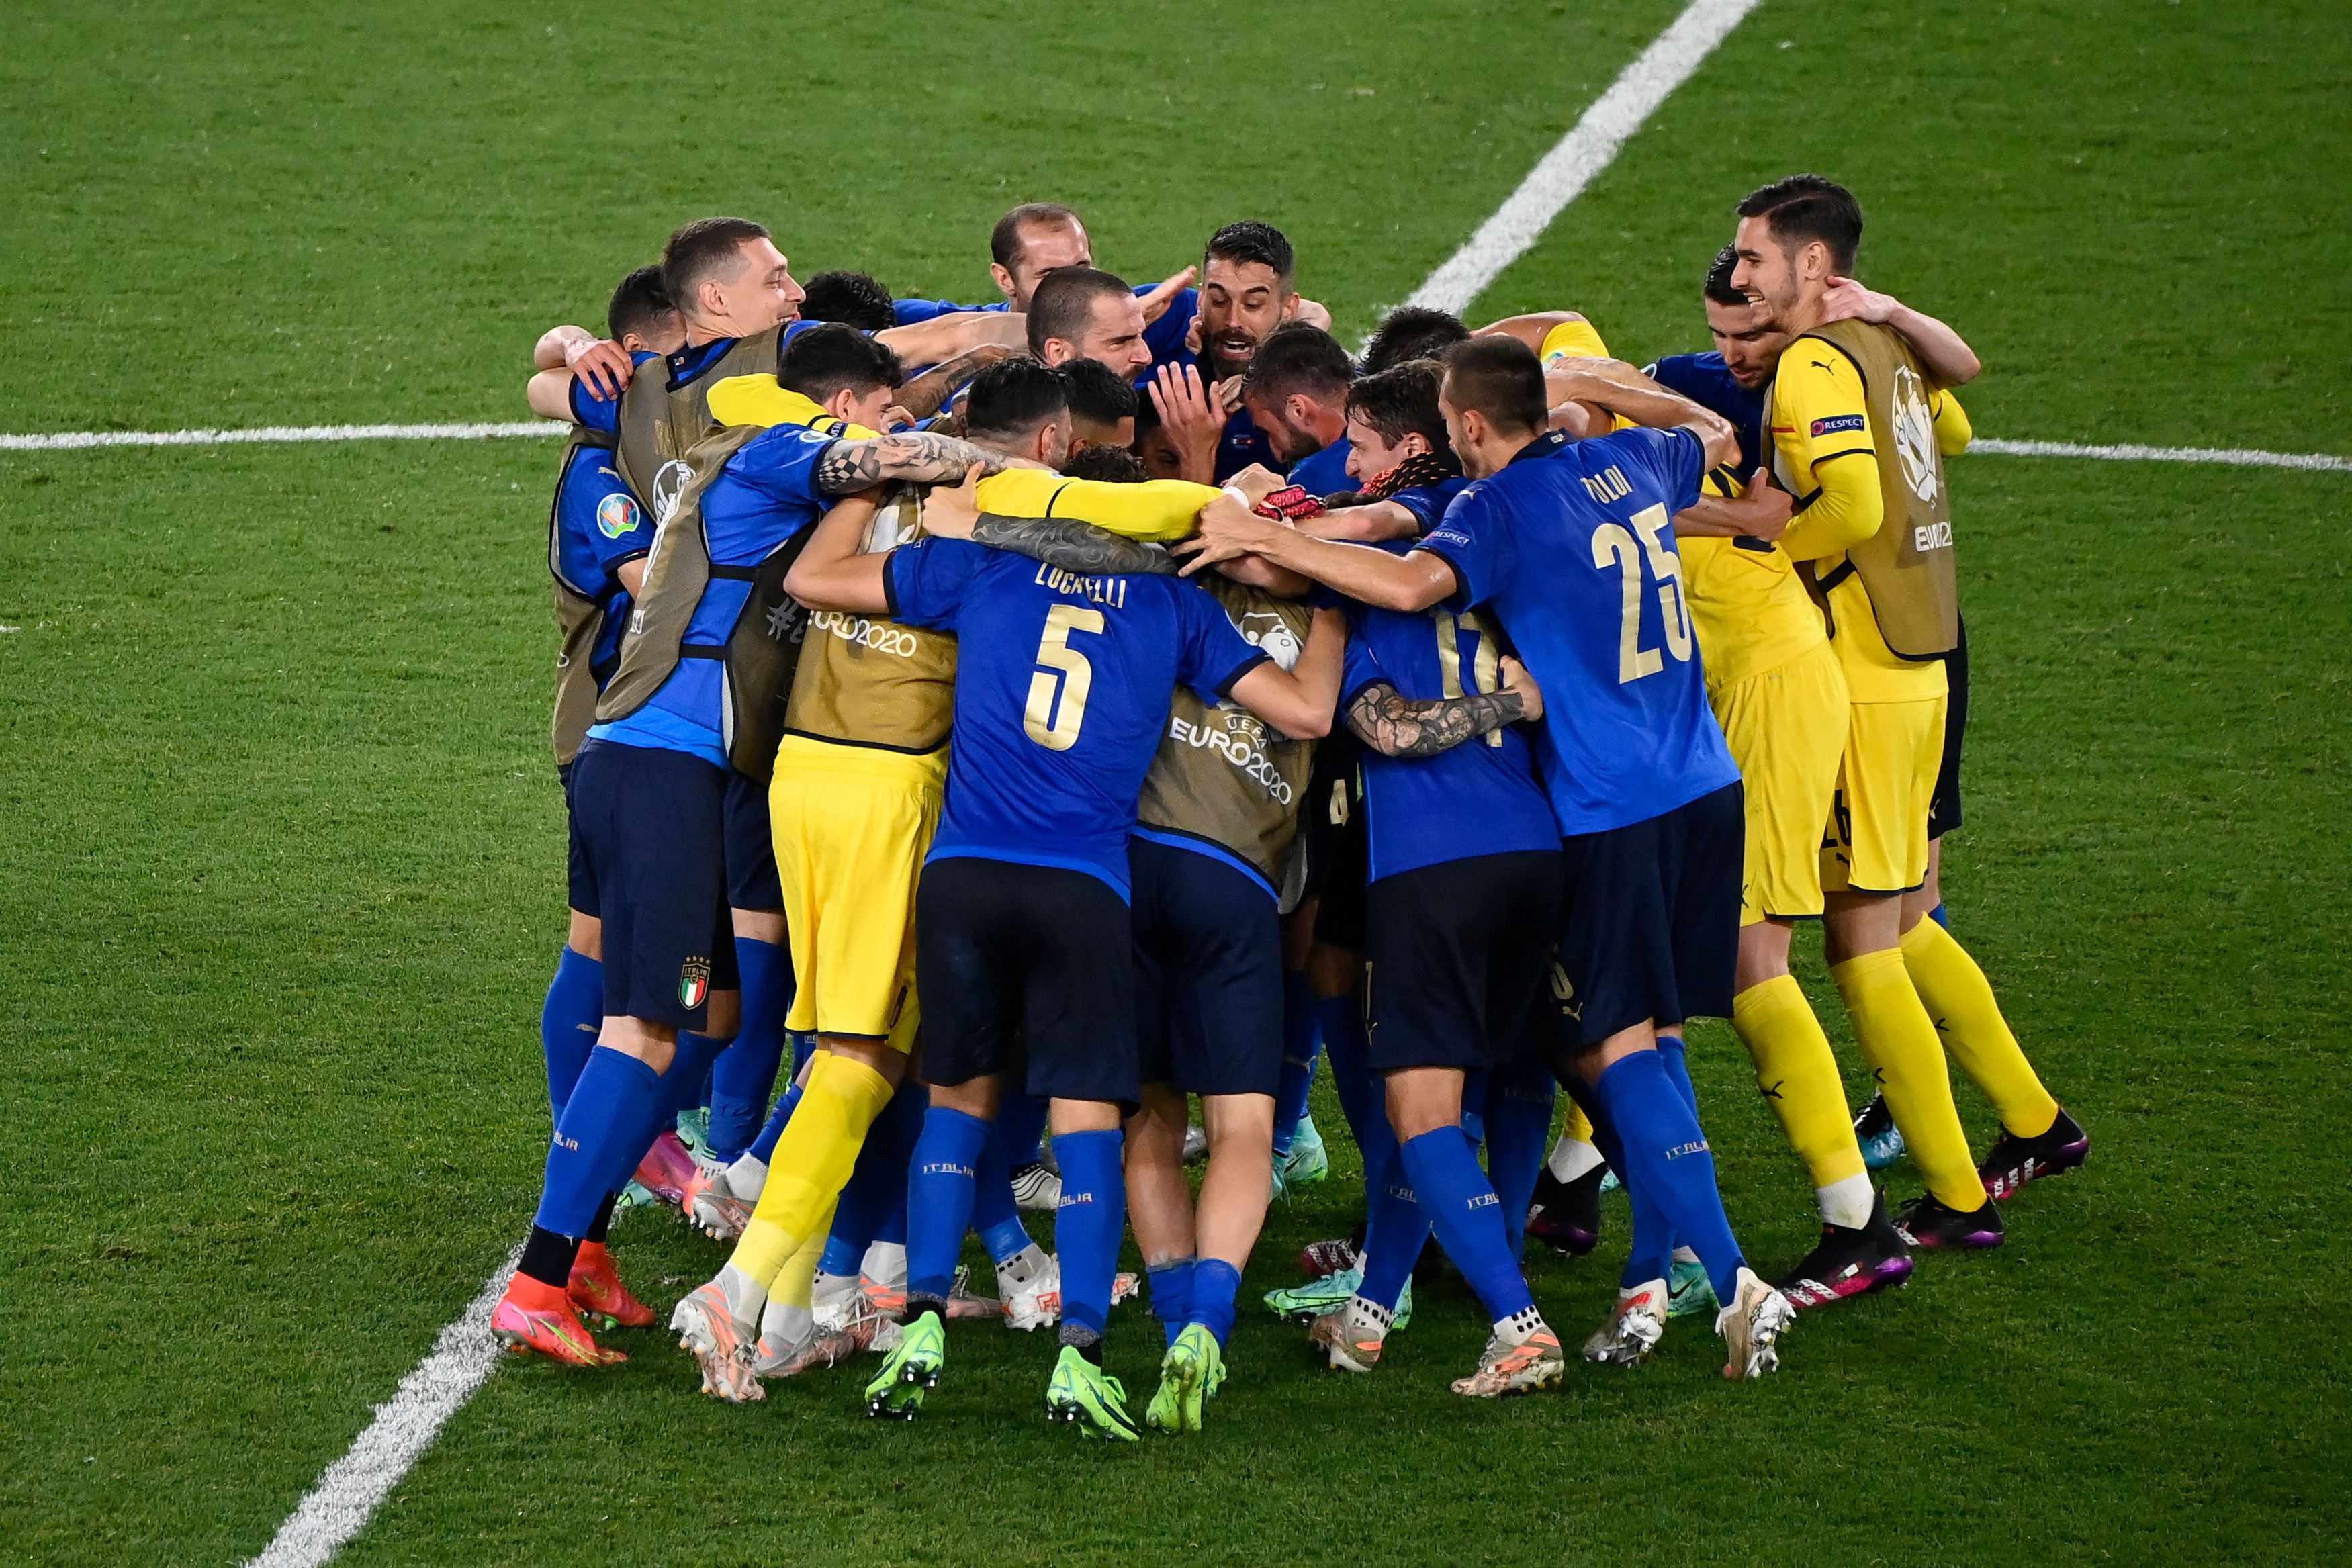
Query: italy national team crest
[[693, 982], [616, 514]]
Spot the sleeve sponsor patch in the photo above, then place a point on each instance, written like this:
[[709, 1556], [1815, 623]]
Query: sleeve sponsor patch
[[1835, 424]]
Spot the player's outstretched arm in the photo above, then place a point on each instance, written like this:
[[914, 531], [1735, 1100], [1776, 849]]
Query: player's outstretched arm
[[1228, 528], [832, 572], [547, 354], [1396, 726], [1299, 701], [954, 512], [1618, 387], [913, 456], [1365, 523], [1760, 511], [1945, 352], [942, 338], [1531, 329]]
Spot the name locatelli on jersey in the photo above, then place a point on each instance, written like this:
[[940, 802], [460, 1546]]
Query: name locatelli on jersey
[[1110, 592]]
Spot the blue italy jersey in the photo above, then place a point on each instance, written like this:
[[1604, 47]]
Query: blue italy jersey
[[1324, 473], [1427, 503], [1707, 382], [914, 312], [1479, 798], [1165, 338], [760, 501], [1573, 546], [599, 527], [597, 413], [1062, 692]]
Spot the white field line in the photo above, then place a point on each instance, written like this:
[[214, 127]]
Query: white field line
[[73, 440], [2320, 461], [338, 1505], [1587, 149]]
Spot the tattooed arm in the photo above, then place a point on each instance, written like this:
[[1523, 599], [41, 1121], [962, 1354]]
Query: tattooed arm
[[1071, 545], [1398, 726], [917, 457], [922, 396]]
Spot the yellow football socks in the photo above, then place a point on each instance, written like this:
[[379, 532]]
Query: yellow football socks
[[1899, 1041], [1961, 1000], [1798, 1073], [1576, 1126], [811, 1161]]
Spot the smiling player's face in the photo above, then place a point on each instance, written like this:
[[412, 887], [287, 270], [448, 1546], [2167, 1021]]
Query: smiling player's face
[[1241, 303], [761, 293], [1370, 453]]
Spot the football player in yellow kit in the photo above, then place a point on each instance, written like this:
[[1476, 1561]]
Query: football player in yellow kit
[[1859, 432]]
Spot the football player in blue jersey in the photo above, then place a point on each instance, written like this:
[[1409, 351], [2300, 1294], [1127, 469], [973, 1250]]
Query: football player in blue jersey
[[1062, 690], [598, 537], [651, 788], [1296, 391], [1569, 546], [1030, 241], [1204, 344], [1085, 313]]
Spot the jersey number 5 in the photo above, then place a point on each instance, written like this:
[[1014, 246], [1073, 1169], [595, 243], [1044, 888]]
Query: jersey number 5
[[1055, 725], [1613, 542]]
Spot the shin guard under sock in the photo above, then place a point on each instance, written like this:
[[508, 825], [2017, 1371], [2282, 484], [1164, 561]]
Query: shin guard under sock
[[1518, 1122], [597, 1141], [1899, 1040], [1468, 1219], [569, 1021], [995, 1213], [1667, 1162], [1216, 1284], [1171, 1294], [1396, 1230], [814, 1159], [940, 1186], [1798, 1078]]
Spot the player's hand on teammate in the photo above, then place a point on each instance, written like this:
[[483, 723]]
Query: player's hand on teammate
[[1516, 679], [1847, 300], [1228, 528], [1311, 312], [1257, 482], [951, 510], [1156, 303], [1190, 413], [603, 367], [1763, 513]]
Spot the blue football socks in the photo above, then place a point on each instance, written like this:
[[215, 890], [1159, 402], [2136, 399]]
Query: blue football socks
[[1087, 1231], [1668, 1162], [763, 1147], [1468, 1218], [1302, 1046], [1676, 1057], [939, 1193], [994, 1214], [1518, 1136], [569, 1021], [1172, 1295], [1342, 1019], [1020, 1125], [1395, 1228], [616, 1096], [1215, 1285], [744, 1075]]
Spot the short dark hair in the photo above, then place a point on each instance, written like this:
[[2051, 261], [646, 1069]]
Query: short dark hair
[[1299, 358], [1400, 401], [1004, 241], [1013, 396], [1411, 333], [1807, 207], [1501, 378], [638, 304], [822, 359], [700, 249], [1253, 241], [1064, 304], [1099, 394], [1719, 278], [1111, 465], [851, 297]]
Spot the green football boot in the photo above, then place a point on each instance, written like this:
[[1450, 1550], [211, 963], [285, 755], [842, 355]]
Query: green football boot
[[1189, 1374], [1689, 1290], [910, 1371], [1305, 1303], [1089, 1399], [1308, 1161]]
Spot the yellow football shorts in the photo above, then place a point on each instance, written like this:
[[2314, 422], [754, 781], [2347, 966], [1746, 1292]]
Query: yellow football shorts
[[1877, 835], [1786, 727], [852, 824]]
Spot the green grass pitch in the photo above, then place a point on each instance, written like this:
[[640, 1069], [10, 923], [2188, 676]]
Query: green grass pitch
[[281, 845]]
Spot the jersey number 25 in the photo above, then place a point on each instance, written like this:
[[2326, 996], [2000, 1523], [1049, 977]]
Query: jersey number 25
[[1613, 543]]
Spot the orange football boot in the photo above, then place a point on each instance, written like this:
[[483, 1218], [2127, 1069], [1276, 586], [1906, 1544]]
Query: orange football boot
[[595, 1289], [536, 1316]]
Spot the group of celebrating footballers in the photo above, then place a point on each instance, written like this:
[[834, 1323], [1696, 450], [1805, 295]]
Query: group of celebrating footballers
[[1034, 715]]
